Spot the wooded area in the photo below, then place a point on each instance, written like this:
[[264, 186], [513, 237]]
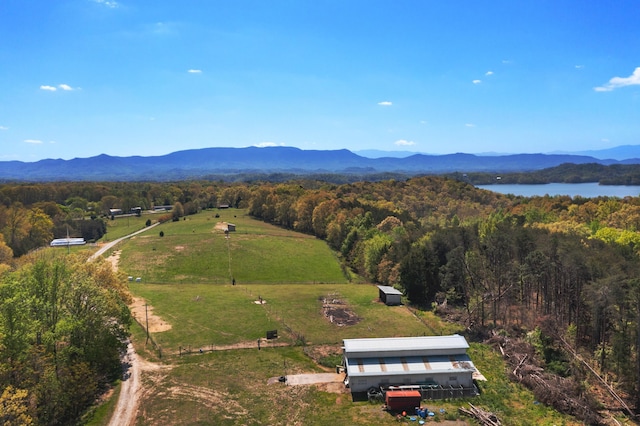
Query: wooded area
[[614, 174], [546, 270]]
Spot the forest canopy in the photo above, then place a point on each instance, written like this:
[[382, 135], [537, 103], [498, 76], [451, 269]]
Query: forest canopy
[[63, 323]]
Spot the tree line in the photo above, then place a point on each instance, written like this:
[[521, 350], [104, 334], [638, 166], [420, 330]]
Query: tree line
[[614, 174], [31, 215]]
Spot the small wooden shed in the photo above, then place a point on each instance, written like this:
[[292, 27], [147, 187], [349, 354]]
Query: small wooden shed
[[389, 295]]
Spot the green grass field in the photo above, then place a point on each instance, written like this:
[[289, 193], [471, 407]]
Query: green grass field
[[186, 279], [204, 315], [121, 226], [194, 251]]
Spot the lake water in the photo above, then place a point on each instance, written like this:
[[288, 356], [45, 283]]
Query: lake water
[[587, 190]]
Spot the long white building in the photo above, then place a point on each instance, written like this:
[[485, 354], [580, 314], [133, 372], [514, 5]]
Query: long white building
[[436, 362], [58, 242]]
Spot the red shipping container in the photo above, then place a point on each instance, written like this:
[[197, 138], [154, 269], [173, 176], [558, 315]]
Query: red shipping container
[[403, 400]]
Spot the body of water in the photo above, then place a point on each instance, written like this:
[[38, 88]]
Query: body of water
[[587, 190]]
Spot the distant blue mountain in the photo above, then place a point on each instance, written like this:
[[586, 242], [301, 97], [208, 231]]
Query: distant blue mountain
[[208, 162], [621, 153], [376, 153]]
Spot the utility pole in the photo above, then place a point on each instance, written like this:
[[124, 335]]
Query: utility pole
[[146, 314], [228, 237]]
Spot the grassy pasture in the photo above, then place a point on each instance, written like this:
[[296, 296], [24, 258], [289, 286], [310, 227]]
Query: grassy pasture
[[121, 226], [195, 251], [230, 387], [205, 315]]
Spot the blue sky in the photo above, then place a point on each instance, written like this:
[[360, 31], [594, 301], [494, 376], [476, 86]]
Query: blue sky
[[79, 78]]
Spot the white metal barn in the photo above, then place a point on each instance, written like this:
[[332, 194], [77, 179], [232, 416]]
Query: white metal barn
[[435, 362], [58, 242]]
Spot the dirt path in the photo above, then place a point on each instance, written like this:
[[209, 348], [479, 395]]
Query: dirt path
[[127, 406], [125, 412], [110, 244]]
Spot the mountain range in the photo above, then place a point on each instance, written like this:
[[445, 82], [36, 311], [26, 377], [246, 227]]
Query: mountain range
[[216, 162]]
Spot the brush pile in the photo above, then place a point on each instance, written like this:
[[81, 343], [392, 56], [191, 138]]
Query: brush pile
[[485, 418], [562, 393]]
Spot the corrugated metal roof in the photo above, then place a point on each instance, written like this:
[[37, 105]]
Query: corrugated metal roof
[[386, 289], [394, 366], [355, 346]]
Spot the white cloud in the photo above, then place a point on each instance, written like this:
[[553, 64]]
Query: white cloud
[[403, 142], [267, 144], [579, 67], [385, 103], [605, 140], [33, 141], [192, 71], [617, 82], [470, 125], [4, 128], [488, 73], [109, 3], [477, 81], [63, 86], [423, 122]]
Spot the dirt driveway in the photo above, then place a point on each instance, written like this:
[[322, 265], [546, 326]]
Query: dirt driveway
[[311, 379]]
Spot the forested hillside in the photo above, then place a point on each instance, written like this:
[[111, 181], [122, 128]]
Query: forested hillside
[[559, 273], [613, 174]]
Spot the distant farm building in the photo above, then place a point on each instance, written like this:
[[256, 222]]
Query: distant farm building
[[115, 212], [389, 295], [436, 366], [162, 208], [223, 206], [65, 242], [226, 227]]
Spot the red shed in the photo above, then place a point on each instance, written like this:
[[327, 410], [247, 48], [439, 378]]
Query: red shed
[[402, 399]]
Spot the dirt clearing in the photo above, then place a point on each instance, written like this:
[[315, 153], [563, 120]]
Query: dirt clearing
[[337, 311], [114, 258], [143, 313]]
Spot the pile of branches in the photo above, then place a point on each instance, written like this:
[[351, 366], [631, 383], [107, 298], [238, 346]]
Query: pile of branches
[[485, 418], [563, 394]]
